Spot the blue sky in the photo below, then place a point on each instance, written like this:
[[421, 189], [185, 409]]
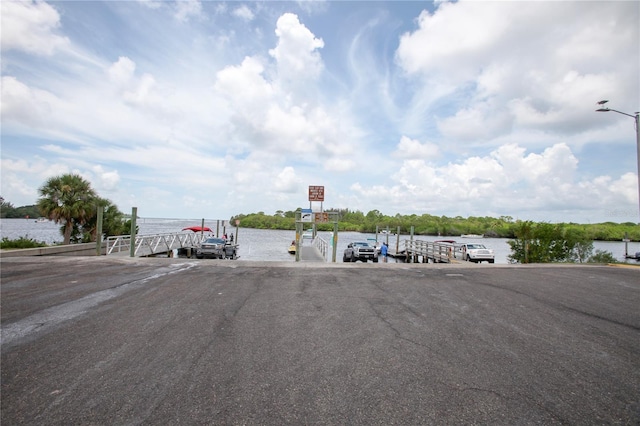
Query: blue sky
[[205, 109]]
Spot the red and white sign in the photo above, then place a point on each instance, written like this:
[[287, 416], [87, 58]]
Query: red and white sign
[[316, 193]]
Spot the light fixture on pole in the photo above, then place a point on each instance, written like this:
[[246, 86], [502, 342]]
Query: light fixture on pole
[[636, 117]]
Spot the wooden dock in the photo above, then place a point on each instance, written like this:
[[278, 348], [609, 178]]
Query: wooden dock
[[419, 251]]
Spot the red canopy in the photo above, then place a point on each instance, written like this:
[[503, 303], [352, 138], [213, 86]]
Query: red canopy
[[197, 229]]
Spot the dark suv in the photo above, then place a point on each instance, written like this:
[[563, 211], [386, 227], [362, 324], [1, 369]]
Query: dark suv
[[216, 248]]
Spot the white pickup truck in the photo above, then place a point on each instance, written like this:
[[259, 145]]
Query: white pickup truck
[[473, 252], [360, 250]]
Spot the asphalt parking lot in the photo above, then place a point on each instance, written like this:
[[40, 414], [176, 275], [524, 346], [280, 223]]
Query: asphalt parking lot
[[98, 340]]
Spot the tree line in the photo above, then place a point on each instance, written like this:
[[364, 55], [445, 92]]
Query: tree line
[[530, 242], [426, 224], [7, 210]]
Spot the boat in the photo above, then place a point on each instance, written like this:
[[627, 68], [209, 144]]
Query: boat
[[445, 241], [292, 248], [42, 220], [197, 229], [635, 257], [308, 233], [472, 236]]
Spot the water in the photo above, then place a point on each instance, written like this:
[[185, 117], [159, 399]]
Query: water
[[47, 232], [271, 245]]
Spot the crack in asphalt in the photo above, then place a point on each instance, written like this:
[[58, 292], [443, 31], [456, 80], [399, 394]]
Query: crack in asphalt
[[560, 305], [373, 305], [50, 317]]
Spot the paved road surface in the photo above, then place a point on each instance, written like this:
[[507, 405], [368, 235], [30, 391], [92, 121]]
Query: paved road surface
[[178, 341]]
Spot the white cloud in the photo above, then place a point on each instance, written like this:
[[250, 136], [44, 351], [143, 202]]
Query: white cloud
[[626, 187], [266, 112], [185, 9], [105, 180], [243, 12], [488, 107], [555, 164], [286, 181], [245, 88], [151, 4], [26, 106], [477, 122], [31, 27], [507, 180], [339, 164], [411, 148], [16, 181], [122, 71], [296, 52], [143, 93], [517, 68]]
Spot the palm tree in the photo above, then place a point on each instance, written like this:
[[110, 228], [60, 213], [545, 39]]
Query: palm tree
[[67, 199], [113, 222]]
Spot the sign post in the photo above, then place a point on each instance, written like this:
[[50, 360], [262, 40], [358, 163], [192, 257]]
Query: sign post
[[316, 193], [237, 226], [321, 217], [306, 215], [100, 212], [132, 240], [298, 235]]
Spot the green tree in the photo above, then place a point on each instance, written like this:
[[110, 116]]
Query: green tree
[[5, 207], [502, 227], [67, 199], [7, 210], [113, 223], [578, 244], [602, 256], [545, 242]]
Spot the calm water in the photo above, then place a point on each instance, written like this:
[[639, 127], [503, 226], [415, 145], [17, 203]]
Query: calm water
[[269, 245]]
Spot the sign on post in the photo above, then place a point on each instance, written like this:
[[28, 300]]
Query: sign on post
[[316, 193], [306, 215], [321, 217]]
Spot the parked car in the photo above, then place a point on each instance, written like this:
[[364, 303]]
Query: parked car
[[473, 252], [360, 250], [216, 248]]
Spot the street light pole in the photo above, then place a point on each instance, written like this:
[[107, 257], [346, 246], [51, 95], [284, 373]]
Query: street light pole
[[636, 117]]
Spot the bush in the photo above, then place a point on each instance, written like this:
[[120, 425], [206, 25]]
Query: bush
[[545, 242], [602, 256], [20, 243]]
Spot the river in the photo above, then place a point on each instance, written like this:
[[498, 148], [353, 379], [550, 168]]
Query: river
[[270, 245]]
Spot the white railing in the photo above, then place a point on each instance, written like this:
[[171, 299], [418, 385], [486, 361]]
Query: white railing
[[439, 252], [322, 246], [146, 245]]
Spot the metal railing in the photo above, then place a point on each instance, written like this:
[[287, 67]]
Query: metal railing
[[438, 252], [145, 245], [322, 246]]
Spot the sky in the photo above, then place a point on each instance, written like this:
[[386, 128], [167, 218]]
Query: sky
[[207, 109]]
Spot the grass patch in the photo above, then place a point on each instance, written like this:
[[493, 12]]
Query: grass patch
[[20, 243]]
